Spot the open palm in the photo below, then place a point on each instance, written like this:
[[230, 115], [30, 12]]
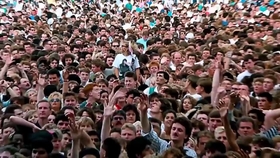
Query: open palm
[[108, 110]]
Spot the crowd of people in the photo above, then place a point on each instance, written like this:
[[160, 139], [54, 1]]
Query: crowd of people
[[139, 79]]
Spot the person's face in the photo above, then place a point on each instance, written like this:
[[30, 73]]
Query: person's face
[[18, 112], [16, 90], [263, 103], [227, 84], [43, 110], [202, 142], [160, 78], [68, 61], [187, 105], [258, 87], [214, 123], [127, 134], [246, 129], [110, 61], [249, 65], [118, 121], [39, 153], [95, 69], [191, 145], [53, 79], [24, 83], [129, 82], [156, 59], [62, 125], [55, 103], [54, 64], [104, 97], [222, 137], [205, 54], [177, 58], [154, 69], [84, 76], [203, 118], [268, 84], [70, 101], [130, 116], [33, 118], [168, 120], [66, 139], [51, 119], [244, 90], [191, 60], [178, 132], [155, 105], [86, 127]]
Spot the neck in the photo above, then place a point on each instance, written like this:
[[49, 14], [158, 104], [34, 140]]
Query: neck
[[156, 115], [43, 121], [191, 90], [167, 130], [204, 95]]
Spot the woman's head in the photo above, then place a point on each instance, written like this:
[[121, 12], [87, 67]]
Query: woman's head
[[187, 104], [86, 123], [31, 116], [55, 99], [104, 95]]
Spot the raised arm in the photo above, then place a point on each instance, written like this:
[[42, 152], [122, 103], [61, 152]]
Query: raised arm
[[106, 124], [270, 118], [41, 85], [216, 82], [223, 109]]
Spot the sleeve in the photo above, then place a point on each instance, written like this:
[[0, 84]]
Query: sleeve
[[137, 64], [270, 133], [117, 62], [158, 145]]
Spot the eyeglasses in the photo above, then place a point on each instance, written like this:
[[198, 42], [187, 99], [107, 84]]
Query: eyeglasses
[[39, 152], [115, 45], [55, 100], [118, 118]]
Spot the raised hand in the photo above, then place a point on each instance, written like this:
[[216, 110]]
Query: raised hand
[[223, 108], [144, 102], [42, 81], [108, 109], [65, 75], [74, 129], [8, 60], [245, 98]]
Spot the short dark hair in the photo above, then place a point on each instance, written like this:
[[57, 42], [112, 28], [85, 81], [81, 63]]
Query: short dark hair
[[186, 123], [112, 147], [130, 74], [53, 72], [215, 145], [131, 107], [140, 142]]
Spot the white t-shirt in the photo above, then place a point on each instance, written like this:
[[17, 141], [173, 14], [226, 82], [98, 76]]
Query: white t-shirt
[[126, 63]]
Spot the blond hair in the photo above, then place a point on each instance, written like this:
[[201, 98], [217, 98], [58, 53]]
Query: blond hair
[[129, 126], [218, 130]]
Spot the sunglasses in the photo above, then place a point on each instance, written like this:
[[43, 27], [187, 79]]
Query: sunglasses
[[55, 100]]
